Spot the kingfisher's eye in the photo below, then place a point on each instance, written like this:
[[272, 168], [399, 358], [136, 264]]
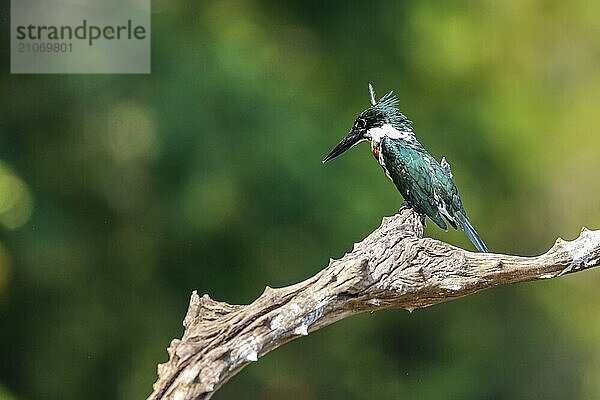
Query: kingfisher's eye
[[360, 123]]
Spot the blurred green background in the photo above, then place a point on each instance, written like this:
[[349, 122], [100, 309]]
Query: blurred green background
[[120, 194]]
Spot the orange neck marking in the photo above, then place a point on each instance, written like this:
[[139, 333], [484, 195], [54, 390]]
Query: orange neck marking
[[375, 150]]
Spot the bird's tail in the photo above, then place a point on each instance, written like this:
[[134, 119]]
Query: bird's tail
[[471, 233]]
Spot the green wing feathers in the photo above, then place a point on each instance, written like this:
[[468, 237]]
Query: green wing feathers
[[412, 175], [426, 185]]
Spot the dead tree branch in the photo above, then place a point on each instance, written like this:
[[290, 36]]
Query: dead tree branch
[[392, 267]]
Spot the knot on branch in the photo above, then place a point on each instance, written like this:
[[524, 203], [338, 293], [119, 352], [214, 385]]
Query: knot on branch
[[580, 253]]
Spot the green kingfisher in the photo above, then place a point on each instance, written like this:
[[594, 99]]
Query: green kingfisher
[[423, 182]]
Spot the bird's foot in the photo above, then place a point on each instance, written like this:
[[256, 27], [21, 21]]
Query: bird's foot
[[404, 206]]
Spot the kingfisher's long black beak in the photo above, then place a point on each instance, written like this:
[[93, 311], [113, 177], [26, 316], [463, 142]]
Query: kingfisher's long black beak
[[350, 140]]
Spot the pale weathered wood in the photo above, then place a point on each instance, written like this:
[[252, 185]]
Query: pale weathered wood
[[392, 267]]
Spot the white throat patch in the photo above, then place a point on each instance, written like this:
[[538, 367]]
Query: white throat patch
[[388, 130]]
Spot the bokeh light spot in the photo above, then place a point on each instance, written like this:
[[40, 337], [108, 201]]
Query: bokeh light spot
[[16, 201], [131, 134]]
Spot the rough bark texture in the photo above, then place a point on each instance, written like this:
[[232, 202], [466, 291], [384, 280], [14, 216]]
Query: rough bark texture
[[393, 267]]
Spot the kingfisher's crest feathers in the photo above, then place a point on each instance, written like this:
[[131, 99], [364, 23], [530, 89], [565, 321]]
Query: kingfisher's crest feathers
[[385, 111]]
